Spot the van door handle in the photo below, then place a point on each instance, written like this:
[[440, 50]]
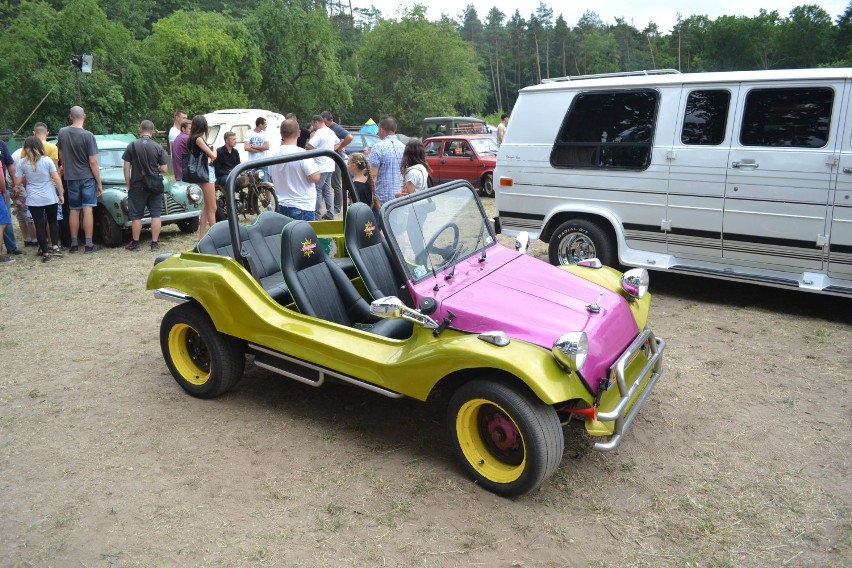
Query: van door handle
[[746, 164]]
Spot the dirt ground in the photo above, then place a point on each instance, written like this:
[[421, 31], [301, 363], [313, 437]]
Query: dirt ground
[[741, 456]]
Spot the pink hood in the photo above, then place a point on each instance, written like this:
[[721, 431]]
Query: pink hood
[[536, 302]]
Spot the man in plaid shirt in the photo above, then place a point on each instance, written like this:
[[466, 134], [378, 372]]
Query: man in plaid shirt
[[385, 159]]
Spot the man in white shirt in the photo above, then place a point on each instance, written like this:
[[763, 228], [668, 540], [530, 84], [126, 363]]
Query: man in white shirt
[[501, 129], [174, 131], [256, 144], [323, 138], [294, 181]]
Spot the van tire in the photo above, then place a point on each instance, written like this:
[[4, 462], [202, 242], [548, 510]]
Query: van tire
[[577, 240]]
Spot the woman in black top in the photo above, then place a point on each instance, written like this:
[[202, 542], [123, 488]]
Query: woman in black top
[[197, 145]]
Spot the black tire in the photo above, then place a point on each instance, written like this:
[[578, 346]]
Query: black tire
[[264, 200], [507, 439], [486, 186], [204, 362], [112, 235], [188, 225], [580, 240], [221, 204]]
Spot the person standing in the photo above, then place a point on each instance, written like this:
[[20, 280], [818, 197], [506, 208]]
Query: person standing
[[257, 144], [362, 179], [227, 158], [323, 139], [304, 133], [79, 154], [385, 160], [415, 170], [501, 128], [38, 174], [143, 157], [179, 149], [9, 231], [344, 138], [175, 130], [198, 145], [295, 182], [5, 218]]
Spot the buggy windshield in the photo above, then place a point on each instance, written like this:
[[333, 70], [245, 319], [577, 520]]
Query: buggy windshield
[[435, 229]]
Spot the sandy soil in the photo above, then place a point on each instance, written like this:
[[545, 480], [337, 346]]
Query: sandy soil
[[741, 457]]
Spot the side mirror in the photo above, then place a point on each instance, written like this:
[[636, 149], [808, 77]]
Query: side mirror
[[392, 307], [522, 241]]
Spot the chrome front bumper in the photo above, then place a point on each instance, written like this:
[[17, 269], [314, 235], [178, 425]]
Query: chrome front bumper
[[651, 371]]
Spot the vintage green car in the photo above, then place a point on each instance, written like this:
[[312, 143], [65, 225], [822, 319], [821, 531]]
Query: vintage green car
[[183, 201], [424, 303]]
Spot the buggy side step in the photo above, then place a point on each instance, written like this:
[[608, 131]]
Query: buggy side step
[[308, 373]]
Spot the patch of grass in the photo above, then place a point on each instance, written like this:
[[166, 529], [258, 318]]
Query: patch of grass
[[818, 335], [334, 520], [475, 539], [400, 509]]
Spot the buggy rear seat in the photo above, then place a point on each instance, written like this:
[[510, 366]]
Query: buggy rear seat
[[262, 241]]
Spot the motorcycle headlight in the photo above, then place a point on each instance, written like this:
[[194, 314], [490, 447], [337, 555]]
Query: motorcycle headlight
[[635, 282], [194, 193], [260, 174], [570, 350]]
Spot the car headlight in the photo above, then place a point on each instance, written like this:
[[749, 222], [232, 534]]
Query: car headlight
[[570, 350], [194, 193], [635, 282], [124, 208]]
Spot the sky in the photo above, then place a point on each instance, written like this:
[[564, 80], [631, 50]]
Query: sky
[[662, 12]]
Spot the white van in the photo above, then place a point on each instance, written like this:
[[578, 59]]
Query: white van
[[742, 175], [241, 121]]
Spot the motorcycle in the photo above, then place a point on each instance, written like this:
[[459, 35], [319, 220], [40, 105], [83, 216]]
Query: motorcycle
[[252, 195]]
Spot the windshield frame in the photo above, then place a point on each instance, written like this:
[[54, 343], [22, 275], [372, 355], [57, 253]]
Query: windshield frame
[[488, 237]]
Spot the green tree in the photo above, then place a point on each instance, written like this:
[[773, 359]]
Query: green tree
[[299, 53], [199, 61], [807, 38], [410, 78]]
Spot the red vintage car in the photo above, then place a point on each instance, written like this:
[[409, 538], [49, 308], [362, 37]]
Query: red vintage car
[[470, 157]]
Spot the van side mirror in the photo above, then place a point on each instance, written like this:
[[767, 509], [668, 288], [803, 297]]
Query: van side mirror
[[392, 307]]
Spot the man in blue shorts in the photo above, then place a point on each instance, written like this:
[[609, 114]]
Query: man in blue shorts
[[79, 155]]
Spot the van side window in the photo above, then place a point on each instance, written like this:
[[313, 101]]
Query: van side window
[[705, 117], [798, 117], [607, 130]]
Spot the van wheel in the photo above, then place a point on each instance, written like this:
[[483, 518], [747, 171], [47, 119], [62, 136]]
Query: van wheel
[[580, 240], [486, 186]]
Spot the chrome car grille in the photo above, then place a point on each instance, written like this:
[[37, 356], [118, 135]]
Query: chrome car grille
[[170, 206]]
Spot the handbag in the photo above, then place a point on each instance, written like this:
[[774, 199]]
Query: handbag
[[195, 167], [153, 184]]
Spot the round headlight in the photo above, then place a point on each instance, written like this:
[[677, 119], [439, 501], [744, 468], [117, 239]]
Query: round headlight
[[570, 350], [193, 192], [260, 174], [635, 282], [124, 208]]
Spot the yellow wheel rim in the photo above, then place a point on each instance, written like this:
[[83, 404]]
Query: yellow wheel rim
[[189, 354], [491, 441]]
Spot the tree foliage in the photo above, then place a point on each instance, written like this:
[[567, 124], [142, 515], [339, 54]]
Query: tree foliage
[[417, 68], [304, 56]]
